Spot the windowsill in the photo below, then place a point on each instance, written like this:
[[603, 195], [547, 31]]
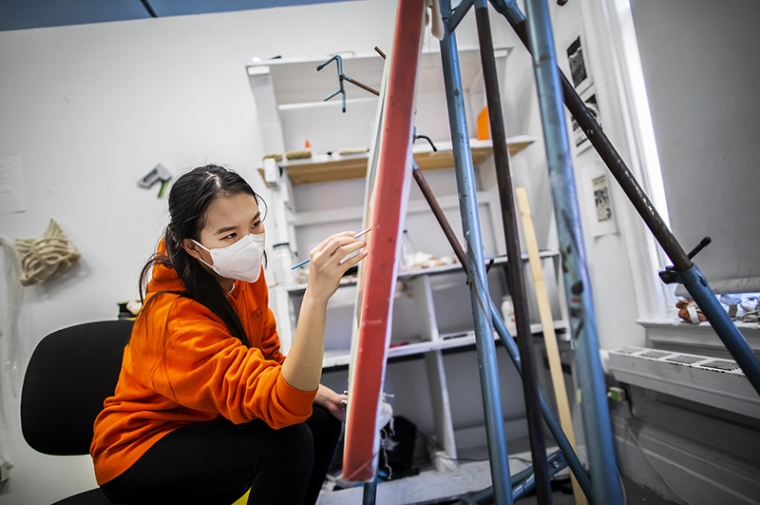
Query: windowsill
[[673, 334]]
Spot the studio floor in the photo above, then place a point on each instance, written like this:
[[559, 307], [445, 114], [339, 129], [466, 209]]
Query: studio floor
[[634, 495], [424, 489]]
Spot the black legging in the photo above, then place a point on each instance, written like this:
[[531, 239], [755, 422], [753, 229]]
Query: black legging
[[216, 462]]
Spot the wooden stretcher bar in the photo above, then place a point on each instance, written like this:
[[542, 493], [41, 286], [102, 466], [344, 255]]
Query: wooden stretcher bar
[[390, 181]]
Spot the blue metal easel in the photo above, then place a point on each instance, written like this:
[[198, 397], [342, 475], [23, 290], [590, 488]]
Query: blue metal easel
[[476, 274], [683, 270], [601, 484], [605, 485], [536, 33]]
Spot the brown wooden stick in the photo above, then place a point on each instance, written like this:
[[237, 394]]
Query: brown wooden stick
[[547, 322]]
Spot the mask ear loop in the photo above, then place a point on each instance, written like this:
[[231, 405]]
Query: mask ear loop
[[206, 249], [261, 202], [232, 289], [264, 257]]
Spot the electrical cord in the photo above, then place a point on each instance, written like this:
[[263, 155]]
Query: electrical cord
[[651, 463], [622, 487]]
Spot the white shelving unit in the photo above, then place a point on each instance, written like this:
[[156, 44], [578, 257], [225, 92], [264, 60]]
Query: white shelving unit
[[433, 339], [312, 198], [289, 95], [426, 302]]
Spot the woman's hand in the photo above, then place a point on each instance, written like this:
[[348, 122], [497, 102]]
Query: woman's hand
[[329, 261], [332, 401]]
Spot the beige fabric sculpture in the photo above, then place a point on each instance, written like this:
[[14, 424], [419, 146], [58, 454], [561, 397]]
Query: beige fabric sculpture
[[43, 257]]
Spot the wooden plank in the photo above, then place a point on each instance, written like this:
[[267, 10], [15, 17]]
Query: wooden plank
[[443, 269], [517, 146], [550, 339], [339, 169], [298, 84], [445, 158]]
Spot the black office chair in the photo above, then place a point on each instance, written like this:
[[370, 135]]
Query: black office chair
[[69, 375]]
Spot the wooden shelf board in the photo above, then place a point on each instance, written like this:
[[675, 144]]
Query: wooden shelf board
[[329, 168]]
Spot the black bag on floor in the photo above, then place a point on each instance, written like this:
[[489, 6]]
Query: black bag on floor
[[397, 451]]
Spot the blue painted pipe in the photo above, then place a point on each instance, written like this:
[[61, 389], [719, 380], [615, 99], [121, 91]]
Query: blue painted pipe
[[458, 14], [597, 427], [479, 295], [559, 436], [555, 464], [724, 328], [369, 493], [693, 280], [507, 340]]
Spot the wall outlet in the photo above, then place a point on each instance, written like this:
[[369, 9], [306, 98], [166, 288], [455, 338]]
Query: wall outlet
[[5, 468]]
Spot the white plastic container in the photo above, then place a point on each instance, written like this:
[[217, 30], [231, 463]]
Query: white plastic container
[[508, 313], [282, 259]]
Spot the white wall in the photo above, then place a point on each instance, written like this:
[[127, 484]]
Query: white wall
[[664, 442], [91, 108], [612, 258], [610, 264], [706, 113]]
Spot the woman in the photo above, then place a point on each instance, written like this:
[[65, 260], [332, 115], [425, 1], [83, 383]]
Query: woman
[[206, 405]]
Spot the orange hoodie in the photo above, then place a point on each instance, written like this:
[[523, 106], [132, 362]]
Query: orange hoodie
[[182, 366]]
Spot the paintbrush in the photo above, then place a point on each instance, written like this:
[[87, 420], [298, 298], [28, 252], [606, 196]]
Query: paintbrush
[[360, 234]]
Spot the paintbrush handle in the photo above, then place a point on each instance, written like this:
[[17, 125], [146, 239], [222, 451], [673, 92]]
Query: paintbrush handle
[[302, 263]]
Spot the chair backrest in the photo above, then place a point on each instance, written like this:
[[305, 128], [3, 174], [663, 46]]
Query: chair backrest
[[69, 375]]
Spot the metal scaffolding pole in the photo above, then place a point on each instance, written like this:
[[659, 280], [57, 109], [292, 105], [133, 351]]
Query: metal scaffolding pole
[[572, 459], [599, 442], [684, 271], [476, 275], [514, 254]]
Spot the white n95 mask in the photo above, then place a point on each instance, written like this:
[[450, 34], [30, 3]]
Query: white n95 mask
[[241, 260]]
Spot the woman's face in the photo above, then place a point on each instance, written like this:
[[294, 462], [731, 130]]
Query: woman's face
[[228, 219]]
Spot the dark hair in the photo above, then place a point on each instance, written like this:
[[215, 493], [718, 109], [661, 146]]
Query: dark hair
[[189, 200]]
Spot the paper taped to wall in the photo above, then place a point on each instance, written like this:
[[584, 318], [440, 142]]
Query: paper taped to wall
[[12, 195]]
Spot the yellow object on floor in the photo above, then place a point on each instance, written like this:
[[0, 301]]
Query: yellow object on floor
[[243, 499]]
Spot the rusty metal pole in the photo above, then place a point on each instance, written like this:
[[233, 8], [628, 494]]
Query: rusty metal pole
[[514, 255]]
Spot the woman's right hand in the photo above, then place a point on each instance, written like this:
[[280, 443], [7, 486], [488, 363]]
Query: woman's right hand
[[302, 368], [329, 261]]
